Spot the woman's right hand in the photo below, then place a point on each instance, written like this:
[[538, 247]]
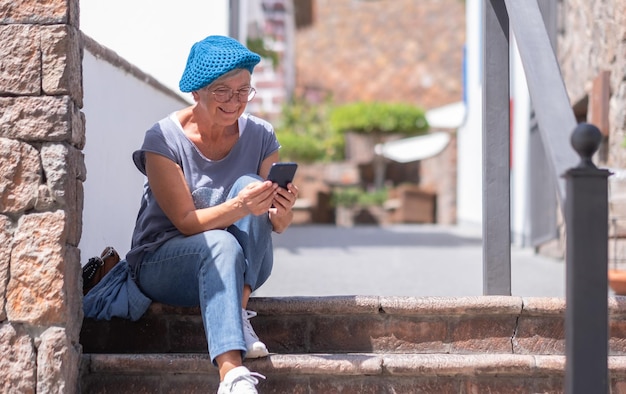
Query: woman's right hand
[[257, 197]]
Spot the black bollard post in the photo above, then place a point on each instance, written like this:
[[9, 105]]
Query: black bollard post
[[586, 313]]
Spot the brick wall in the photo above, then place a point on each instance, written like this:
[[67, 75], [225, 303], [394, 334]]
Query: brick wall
[[41, 174]]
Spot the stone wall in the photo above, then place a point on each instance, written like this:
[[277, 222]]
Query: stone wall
[[41, 175], [592, 42], [592, 39]]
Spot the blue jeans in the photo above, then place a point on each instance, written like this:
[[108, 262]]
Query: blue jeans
[[210, 269]]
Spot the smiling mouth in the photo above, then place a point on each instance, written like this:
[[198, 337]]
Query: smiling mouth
[[227, 111]]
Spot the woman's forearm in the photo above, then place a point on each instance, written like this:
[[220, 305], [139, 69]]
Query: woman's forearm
[[216, 217], [280, 223]]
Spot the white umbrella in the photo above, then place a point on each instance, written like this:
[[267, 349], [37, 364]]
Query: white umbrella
[[406, 150], [414, 148]]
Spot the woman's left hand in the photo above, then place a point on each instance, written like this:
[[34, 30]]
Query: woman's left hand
[[284, 200]]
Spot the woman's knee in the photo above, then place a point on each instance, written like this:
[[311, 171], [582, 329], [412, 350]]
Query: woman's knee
[[222, 248]]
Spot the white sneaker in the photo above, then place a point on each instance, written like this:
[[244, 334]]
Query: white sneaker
[[255, 348], [239, 380]]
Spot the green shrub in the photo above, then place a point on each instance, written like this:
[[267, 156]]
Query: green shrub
[[257, 45], [378, 117], [305, 135], [353, 196], [311, 132], [301, 148]]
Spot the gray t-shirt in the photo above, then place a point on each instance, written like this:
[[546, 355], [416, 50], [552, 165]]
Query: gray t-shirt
[[209, 181]]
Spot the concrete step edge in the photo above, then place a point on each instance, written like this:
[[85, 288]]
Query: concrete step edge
[[347, 364], [363, 304], [423, 306]]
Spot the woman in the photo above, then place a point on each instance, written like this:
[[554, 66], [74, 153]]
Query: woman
[[203, 233]]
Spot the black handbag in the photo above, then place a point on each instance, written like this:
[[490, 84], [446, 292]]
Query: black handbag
[[97, 267]]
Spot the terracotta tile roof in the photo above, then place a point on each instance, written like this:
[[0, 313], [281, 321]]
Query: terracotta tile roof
[[388, 50]]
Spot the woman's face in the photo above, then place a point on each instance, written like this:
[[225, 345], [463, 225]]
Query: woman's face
[[224, 113]]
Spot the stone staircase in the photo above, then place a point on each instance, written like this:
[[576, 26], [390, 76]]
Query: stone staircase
[[357, 344]]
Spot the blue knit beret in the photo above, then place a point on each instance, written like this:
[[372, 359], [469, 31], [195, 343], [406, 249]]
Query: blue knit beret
[[213, 57]]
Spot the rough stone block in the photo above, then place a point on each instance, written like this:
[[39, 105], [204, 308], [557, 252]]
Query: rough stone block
[[19, 176], [57, 358], [58, 172], [61, 62], [38, 119], [73, 292], [63, 165], [45, 201], [78, 127], [36, 293], [38, 12], [20, 60], [74, 213], [5, 258], [18, 362], [65, 171]]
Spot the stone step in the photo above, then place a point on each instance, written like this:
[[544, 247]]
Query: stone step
[[345, 373], [365, 324]]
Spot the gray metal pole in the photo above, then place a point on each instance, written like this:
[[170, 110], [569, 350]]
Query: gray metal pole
[[234, 19], [496, 151], [586, 312]]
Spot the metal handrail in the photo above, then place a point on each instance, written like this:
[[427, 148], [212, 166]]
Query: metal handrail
[[582, 188], [547, 91]]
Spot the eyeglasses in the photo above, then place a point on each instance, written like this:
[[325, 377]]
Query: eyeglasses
[[224, 95]]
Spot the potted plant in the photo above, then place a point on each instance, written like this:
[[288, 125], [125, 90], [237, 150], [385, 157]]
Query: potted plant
[[617, 275], [617, 281], [354, 205], [379, 121]]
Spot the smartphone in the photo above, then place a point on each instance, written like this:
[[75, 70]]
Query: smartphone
[[282, 173]]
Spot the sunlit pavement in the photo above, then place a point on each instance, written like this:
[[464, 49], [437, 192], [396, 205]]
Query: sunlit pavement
[[401, 260]]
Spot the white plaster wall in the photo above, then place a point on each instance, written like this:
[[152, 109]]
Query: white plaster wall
[[469, 155], [520, 179], [118, 108], [154, 35]]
